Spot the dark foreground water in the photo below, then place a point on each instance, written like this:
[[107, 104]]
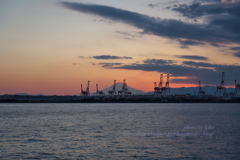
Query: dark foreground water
[[120, 131]]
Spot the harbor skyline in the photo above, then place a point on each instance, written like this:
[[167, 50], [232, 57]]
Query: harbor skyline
[[51, 47]]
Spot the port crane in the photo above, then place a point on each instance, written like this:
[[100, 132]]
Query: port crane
[[86, 92], [113, 91], [200, 91], [158, 89], [237, 89], [221, 88], [100, 93], [124, 90], [166, 88]]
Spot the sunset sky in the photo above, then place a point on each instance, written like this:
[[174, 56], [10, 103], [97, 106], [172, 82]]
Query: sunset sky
[[52, 46]]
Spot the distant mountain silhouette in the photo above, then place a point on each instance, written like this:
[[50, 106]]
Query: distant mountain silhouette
[[119, 87], [209, 90]]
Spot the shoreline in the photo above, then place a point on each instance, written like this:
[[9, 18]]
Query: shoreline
[[116, 99]]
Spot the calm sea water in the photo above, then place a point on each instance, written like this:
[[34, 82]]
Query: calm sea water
[[120, 131]]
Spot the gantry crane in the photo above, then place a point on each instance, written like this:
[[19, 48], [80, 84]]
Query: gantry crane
[[158, 89], [113, 91], [200, 91], [86, 92], [221, 88], [124, 90], [237, 89], [99, 93], [167, 87]]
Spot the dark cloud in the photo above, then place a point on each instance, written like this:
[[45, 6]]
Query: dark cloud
[[110, 57], [167, 67], [216, 67], [220, 15], [128, 36], [230, 23], [156, 5], [198, 64], [159, 61], [236, 51], [186, 43], [237, 54], [208, 1], [195, 71], [235, 48], [189, 11], [169, 28], [192, 57], [127, 57], [216, 45], [196, 10], [109, 65]]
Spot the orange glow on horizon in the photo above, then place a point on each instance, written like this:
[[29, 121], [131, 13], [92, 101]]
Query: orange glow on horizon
[[64, 88]]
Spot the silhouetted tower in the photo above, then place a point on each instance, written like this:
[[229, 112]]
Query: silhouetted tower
[[200, 91], [221, 88], [87, 92], [99, 93], [113, 91]]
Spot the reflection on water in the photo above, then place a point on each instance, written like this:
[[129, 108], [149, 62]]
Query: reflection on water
[[119, 131]]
